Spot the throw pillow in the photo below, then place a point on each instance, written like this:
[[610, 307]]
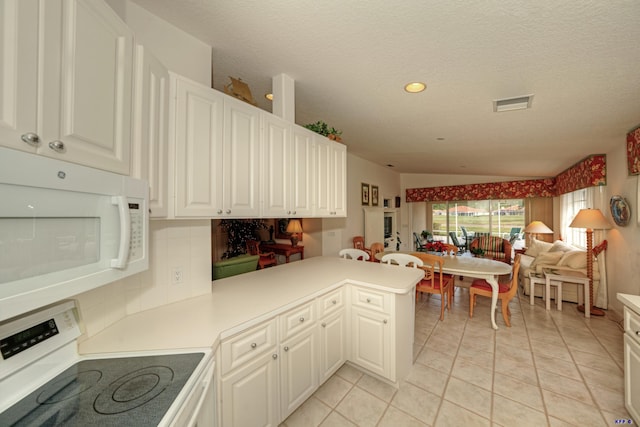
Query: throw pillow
[[574, 259], [560, 246], [537, 247], [547, 258]]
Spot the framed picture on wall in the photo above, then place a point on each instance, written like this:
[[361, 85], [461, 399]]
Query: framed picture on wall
[[374, 195], [365, 194]]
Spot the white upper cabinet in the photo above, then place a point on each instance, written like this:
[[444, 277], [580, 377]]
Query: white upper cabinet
[[287, 168], [69, 65], [150, 122], [331, 178]]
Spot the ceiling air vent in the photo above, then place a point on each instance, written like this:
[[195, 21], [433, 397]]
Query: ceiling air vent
[[510, 104]]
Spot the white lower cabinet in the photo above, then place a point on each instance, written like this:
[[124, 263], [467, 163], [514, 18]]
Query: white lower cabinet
[[632, 363], [267, 371]]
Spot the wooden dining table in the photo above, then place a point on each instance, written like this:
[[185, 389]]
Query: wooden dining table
[[481, 268]]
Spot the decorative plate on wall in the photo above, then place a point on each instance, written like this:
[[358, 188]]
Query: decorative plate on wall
[[620, 210]]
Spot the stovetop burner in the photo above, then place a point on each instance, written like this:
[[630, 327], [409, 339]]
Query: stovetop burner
[[107, 392]]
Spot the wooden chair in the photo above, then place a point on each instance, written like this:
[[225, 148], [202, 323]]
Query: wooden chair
[[450, 250], [358, 243], [376, 248], [435, 282], [267, 259], [402, 259], [506, 291], [355, 254]]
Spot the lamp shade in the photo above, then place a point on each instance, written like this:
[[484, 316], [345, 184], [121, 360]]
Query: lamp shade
[[537, 227], [294, 226], [590, 219]]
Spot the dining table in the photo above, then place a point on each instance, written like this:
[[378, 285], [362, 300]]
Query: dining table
[[470, 266]]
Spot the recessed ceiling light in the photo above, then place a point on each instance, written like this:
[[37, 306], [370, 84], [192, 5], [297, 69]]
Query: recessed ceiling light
[[415, 87], [390, 166], [269, 96], [440, 139]]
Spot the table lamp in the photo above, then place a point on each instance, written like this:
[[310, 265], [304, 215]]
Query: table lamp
[[536, 228], [295, 228], [591, 219]]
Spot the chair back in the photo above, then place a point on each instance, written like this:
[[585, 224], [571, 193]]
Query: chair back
[[253, 247], [376, 248], [358, 242], [419, 245], [449, 249], [432, 266], [355, 254], [402, 259], [514, 278]]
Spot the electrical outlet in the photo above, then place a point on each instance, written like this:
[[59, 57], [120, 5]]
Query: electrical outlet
[[177, 276]]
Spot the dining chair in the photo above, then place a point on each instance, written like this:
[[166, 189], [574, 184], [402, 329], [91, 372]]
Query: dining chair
[[419, 246], [506, 291], [267, 259], [358, 243], [449, 249], [376, 248], [454, 239], [402, 260], [355, 254], [434, 281]]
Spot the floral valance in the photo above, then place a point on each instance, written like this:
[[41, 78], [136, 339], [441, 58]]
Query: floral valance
[[586, 173]]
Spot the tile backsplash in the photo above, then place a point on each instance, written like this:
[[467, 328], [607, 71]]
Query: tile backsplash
[[181, 247]]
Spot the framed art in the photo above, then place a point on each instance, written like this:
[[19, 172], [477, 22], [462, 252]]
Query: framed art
[[374, 195], [620, 210], [365, 194]]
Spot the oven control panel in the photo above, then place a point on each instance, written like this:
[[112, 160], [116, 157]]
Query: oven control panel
[[20, 341]]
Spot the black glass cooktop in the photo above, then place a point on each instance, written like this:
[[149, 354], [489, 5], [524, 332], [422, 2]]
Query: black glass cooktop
[[131, 391]]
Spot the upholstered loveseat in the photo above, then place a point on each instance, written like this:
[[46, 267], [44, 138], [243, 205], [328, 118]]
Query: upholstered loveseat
[[493, 247], [237, 265], [558, 256]]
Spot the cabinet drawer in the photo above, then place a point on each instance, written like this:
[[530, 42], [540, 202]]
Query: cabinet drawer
[[331, 302], [247, 345], [371, 300], [632, 324], [297, 319]]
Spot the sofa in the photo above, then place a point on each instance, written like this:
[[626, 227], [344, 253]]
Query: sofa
[[494, 247], [558, 256], [237, 265]]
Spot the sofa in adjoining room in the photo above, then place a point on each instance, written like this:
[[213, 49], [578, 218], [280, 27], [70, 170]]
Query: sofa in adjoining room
[[493, 247], [558, 256]]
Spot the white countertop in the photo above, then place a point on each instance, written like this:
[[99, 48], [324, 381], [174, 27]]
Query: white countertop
[[238, 302], [631, 301]]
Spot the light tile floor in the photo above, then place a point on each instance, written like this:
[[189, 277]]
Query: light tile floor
[[553, 368]]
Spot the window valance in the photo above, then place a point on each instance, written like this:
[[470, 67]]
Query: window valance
[[588, 172]]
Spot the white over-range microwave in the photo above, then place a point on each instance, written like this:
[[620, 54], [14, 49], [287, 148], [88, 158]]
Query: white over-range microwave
[[65, 229]]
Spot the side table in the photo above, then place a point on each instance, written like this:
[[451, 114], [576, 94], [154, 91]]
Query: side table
[[283, 249], [560, 276], [535, 279]]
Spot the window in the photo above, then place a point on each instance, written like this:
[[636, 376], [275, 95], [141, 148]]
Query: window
[[571, 203]]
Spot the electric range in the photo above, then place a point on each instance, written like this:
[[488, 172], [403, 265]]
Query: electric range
[[44, 381]]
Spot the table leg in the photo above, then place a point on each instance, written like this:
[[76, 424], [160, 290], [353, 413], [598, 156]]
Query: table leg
[[547, 292], [287, 258], [494, 300]]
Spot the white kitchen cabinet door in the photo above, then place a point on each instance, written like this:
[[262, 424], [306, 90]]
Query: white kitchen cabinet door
[[332, 337], [331, 175], [298, 370], [86, 95], [371, 340], [199, 113], [632, 375], [250, 394], [18, 73], [288, 168], [241, 154], [151, 116]]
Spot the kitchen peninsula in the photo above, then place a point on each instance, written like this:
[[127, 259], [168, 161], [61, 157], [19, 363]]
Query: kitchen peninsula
[[279, 333]]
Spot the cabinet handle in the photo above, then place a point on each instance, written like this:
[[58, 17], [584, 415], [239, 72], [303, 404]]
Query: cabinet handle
[[301, 319], [384, 321], [368, 299], [274, 356], [334, 302], [57, 146], [324, 325], [253, 345], [228, 211], [31, 138], [286, 348]]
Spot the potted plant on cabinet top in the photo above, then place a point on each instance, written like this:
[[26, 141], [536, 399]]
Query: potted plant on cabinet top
[[323, 129]]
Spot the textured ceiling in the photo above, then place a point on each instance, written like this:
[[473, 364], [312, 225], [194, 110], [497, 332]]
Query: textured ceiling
[[350, 60]]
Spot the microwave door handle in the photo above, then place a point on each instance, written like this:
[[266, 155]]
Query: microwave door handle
[[125, 231]]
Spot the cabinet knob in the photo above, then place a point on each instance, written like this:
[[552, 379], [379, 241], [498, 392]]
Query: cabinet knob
[[219, 211], [253, 345], [334, 302], [57, 146], [286, 348], [638, 333], [384, 321], [274, 356], [288, 212], [31, 138], [324, 325], [228, 211], [368, 299], [301, 319], [294, 212]]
